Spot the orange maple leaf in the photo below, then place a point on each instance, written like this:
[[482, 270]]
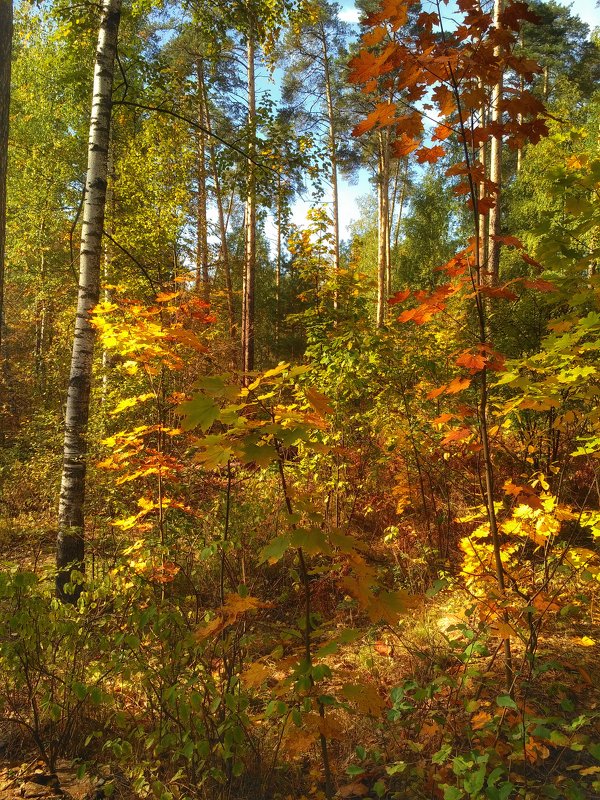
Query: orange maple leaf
[[471, 361], [457, 385], [404, 145], [445, 100], [456, 435], [430, 155], [436, 392], [540, 284], [382, 115], [399, 297]]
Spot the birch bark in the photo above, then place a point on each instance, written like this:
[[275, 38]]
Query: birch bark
[[70, 548], [493, 264]]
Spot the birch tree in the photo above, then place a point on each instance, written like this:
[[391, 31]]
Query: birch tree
[[70, 544], [492, 266]]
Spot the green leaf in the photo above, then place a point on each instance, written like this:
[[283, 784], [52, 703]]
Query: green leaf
[[505, 701], [436, 587], [350, 635], [273, 552], [200, 411], [473, 783], [345, 543], [79, 690], [312, 540], [451, 792], [214, 456], [442, 754], [327, 649], [354, 769], [212, 384], [263, 455], [594, 750], [397, 768]]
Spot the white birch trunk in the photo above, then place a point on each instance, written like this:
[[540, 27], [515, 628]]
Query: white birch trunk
[[70, 544], [493, 265]]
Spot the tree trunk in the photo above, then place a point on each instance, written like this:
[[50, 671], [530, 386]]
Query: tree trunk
[[70, 544], [249, 277], [520, 116], [334, 166], [40, 314], [493, 265], [108, 255], [278, 269], [401, 204], [6, 33], [392, 211], [383, 179], [482, 157], [224, 254], [202, 279]]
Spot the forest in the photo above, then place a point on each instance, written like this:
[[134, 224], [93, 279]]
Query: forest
[[299, 383]]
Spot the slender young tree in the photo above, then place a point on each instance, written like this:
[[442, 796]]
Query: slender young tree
[[383, 227], [314, 55], [6, 33], [202, 277], [70, 544], [222, 222], [379, 151], [333, 147], [249, 276]]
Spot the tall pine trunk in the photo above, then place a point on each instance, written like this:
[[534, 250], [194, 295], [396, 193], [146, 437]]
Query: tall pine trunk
[[334, 165], [278, 257], [383, 247], [6, 32], [403, 193], [520, 116], [70, 548], [224, 249], [202, 279], [482, 157], [249, 277]]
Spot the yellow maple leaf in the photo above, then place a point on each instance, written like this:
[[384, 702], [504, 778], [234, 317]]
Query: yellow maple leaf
[[586, 641], [255, 675], [365, 697], [480, 720]]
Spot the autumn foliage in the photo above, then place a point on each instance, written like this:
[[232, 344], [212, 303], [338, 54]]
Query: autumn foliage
[[369, 567]]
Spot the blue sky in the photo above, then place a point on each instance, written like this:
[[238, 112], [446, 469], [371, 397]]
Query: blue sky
[[350, 195], [585, 9]]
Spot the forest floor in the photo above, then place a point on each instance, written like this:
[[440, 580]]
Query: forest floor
[[419, 688]]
